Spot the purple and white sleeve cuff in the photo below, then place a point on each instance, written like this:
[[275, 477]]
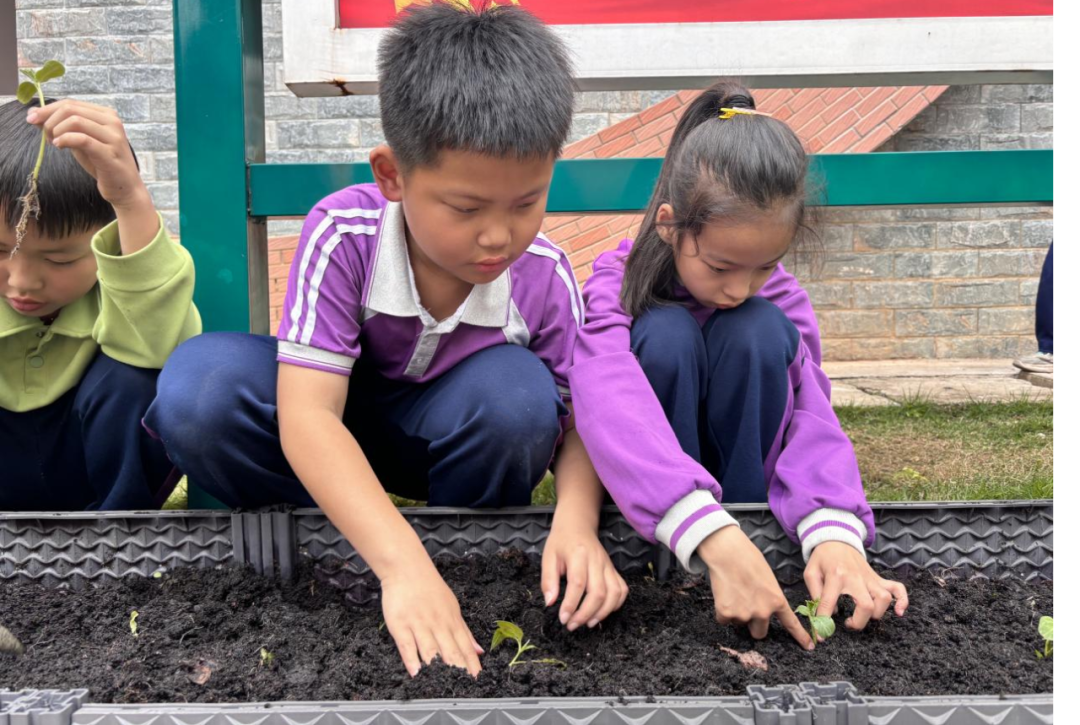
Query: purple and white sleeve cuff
[[827, 524], [306, 356], [689, 522]]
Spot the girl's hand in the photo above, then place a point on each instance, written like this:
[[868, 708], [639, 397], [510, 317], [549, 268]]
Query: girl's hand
[[835, 569], [745, 591]]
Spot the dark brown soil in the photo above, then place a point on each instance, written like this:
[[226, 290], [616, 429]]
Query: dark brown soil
[[967, 637]]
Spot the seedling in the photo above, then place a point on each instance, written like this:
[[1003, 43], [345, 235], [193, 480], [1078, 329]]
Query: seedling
[[9, 642], [31, 202], [820, 627], [266, 657], [509, 630], [1046, 629], [133, 624]]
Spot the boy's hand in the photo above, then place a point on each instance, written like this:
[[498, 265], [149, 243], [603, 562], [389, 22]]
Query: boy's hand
[[424, 618], [96, 137], [745, 591], [574, 551], [835, 569]]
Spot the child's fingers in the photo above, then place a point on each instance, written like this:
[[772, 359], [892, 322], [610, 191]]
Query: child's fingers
[[759, 627], [406, 645], [899, 592], [468, 647], [815, 581], [450, 649], [93, 129], [426, 644], [882, 599], [614, 599], [577, 575], [791, 623], [830, 595], [39, 115], [864, 607], [85, 148], [68, 111], [550, 571], [594, 599]]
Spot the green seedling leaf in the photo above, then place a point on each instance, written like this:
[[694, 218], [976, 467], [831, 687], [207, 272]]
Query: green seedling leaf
[[10, 643], [1046, 629], [133, 624], [509, 630], [29, 73], [505, 631], [820, 627], [266, 657], [26, 92], [52, 69]]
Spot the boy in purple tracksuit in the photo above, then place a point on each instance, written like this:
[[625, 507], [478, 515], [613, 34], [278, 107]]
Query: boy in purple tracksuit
[[698, 381], [426, 339]]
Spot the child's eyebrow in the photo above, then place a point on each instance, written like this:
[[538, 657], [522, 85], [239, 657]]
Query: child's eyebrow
[[484, 200], [719, 260]]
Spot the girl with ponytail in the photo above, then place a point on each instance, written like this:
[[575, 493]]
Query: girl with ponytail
[[697, 376]]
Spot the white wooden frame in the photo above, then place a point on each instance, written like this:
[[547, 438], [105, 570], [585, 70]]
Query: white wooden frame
[[321, 60]]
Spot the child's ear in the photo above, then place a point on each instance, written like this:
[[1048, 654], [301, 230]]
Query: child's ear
[[665, 215], [387, 172]]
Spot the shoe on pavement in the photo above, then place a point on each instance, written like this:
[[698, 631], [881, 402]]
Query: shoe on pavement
[[1040, 362]]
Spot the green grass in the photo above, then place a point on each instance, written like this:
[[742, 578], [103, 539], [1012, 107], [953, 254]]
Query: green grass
[[923, 451]]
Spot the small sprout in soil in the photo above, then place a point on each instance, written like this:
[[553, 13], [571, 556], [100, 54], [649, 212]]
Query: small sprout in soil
[[10, 643], [820, 627], [157, 575], [1046, 629], [133, 624], [266, 657], [31, 203], [509, 630]]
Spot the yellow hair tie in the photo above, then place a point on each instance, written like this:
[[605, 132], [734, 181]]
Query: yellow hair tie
[[726, 113]]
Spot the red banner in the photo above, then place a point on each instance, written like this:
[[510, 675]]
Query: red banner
[[380, 13]]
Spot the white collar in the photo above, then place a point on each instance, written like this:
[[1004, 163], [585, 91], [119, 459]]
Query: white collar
[[393, 285]]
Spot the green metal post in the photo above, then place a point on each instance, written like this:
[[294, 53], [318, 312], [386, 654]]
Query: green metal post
[[220, 129]]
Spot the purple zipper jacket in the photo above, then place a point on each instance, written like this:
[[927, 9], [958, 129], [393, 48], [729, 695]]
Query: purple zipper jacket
[[814, 487]]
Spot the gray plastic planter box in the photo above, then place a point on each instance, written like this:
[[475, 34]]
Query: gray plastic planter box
[[994, 540]]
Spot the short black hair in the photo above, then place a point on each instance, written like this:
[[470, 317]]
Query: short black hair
[[70, 200], [497, 82]]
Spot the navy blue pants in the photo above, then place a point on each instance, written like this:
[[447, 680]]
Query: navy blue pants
[[724, 386], [482, 435], [1044, 305], [86, 451]]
